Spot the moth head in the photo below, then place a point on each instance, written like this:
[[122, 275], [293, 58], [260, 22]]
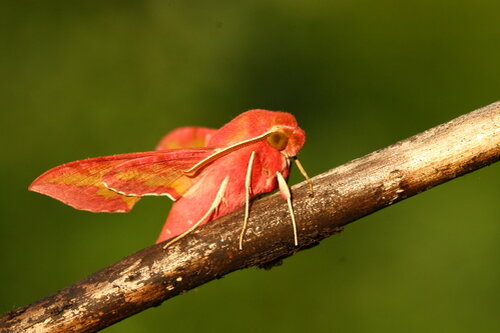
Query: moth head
[[288, 140], [278, 139]]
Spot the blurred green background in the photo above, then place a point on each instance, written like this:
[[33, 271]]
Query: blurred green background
[[92, 78]]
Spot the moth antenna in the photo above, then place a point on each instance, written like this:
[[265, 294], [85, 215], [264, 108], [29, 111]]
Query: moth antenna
[[215, 204], [285, 192], [248, 191], [306, 176]]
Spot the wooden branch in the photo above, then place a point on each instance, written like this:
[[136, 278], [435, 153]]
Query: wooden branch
[[341, 195]]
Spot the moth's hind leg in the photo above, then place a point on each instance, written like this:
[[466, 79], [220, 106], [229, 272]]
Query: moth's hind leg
[[306, 176], [219, 197]]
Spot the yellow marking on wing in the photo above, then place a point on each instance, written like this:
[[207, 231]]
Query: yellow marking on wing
[[180, 185], [195, 143], [129, 201], [108, 194], [126, 175], [77, 178], [105, 193]]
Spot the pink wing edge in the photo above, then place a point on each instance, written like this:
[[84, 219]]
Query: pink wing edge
[[78, 185]]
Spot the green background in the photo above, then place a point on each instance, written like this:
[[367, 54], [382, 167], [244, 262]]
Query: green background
[[92, 78]]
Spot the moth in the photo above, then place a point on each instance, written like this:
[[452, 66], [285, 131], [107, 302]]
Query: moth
[[207, 172]]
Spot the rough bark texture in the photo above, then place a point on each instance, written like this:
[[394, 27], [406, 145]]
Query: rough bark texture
[[341, 195]]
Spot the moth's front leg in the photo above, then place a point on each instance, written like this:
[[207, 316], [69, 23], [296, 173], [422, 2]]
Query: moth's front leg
[[285, 193]]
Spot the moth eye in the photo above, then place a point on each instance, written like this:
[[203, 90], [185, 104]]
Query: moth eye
[[278, 140]]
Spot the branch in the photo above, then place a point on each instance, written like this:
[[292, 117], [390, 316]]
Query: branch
[[341, 195]]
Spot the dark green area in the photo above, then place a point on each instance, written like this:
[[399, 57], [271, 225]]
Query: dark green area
[[93, 78]]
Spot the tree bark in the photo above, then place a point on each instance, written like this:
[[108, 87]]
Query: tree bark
[[341, 195]]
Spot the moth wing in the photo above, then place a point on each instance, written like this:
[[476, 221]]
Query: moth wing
[[78, 184], [186, 137], [161, 174]]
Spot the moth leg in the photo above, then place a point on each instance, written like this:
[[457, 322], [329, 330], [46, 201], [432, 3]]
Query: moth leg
[[304, 173], [213, 208], [285, 193], [248, 191]]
